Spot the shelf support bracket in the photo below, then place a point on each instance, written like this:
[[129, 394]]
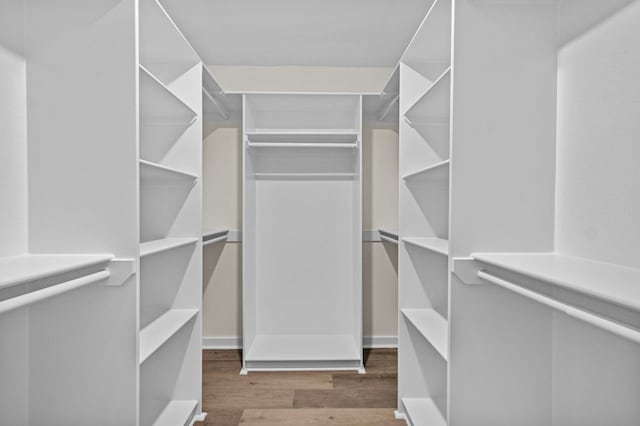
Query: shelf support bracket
[[466, 268], [120, 270]]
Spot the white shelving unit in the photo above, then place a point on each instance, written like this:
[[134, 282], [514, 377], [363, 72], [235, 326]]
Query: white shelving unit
[[423, 268], [171, 103], [302, 286]]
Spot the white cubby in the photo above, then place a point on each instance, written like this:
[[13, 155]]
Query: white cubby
[[302, 289]]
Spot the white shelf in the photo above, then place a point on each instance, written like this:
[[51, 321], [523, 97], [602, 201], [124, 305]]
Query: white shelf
[[304, 175], [432, 326], [388, 235], [436, 171], [153, 172], [156, 334], [433, 105], [177, 413], [23, 269], [423, 411], [157, 246], [307, 347], [159, 105], [605, 281], [436, 245]]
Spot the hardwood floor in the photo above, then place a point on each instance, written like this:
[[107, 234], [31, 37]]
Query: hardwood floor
[[299, 398]]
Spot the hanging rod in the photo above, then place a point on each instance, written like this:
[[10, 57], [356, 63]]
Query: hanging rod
[[386, 108], [214, 240], [223, 111], [388, 239], [595, 320], [46, 293], [300, 145]]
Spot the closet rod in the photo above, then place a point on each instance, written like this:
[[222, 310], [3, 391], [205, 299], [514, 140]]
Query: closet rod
[[300, 145], [223, 112], [45, 293], [214, 240], [595, 320], [384, 111], [388, 239]]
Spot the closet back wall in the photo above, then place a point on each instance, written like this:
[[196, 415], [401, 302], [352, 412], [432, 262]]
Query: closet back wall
[[222, 200]]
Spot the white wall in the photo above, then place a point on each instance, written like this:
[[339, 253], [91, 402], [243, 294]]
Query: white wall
[[222, 197]]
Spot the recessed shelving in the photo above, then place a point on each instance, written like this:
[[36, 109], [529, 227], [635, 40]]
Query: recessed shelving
[[156, 334], [605, 281], [27, 268], [423, 411], [436, 171], [432, 326], [436, 245], [157, 173], [158, 104], [158, 246]]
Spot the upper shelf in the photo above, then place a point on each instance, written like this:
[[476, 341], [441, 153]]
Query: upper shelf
[[436, 245], [158, 104], [437, 171], [153, 172], [432, 326], [433, 105], [303, 139], [432, 40], [27, 268], [605, 281]]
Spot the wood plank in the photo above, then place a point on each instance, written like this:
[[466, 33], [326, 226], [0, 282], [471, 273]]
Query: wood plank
[[345, 398], [244, 398], [271, 380], [366, 381], [322, 416], [222, 355], [221, 417]]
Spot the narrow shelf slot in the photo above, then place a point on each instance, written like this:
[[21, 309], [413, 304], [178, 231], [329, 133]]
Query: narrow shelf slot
[[153, 172], [27, 268], [158, 246], [436, 245], [158, 104], [432, 326], [604, 281], [156, 334], [437, 171], [423, 411], [303, 347]]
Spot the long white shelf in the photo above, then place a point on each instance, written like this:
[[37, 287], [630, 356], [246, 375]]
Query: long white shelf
[[301, 132], [388, 235], [605, 281], [438, 171], [26, 268], [303, 347], [432, 326], [156, 334], [157, 246], [158, 104], [214, 236], [436, 245], [423, 411], [153, 172], [177, 413]]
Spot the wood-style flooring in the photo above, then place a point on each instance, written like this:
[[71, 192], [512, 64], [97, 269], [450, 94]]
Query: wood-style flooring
[[299, 398]]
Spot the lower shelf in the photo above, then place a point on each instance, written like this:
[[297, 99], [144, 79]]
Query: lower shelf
[[156, 334], [423, 411], [177, 413], [304, 351], [433, 326]]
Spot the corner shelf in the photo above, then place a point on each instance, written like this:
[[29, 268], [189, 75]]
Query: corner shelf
[[604, 281], [423, 411], [176, 412], [435, 245], [158, 104], [153, 172], [434, 104], [158, 246], [436, 171], [27, 268], [433, 326], [156, 334]]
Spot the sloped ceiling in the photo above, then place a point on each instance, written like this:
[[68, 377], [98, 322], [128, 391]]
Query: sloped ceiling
[[344, 33]]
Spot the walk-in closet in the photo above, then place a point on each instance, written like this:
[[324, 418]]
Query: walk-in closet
[[284, 212]]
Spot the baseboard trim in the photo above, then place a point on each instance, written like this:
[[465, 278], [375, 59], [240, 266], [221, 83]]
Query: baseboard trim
[[374, 342]]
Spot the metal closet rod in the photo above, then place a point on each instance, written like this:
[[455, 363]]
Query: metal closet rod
[[595, 320], [55, 290]]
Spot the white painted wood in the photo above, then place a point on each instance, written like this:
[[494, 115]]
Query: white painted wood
[[436, 245], [432, 326], [159, 104], [423, 411], [436, 171], [156, 334], [176, 413], [158, 246], [304, 347], [151, 173]]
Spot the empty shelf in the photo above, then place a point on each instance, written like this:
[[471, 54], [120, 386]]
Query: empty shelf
[[438, 170], [157, 246], [423, 411], [303, 347], [159, 104], [388, 235], [605, 281], [436, 245], [156, 334], [434, 104], [152, 172], [177, 413], [23, 269], [214, 236], [432, 326]]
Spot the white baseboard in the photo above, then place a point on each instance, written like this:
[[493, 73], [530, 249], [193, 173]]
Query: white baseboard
[[236, 342]]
